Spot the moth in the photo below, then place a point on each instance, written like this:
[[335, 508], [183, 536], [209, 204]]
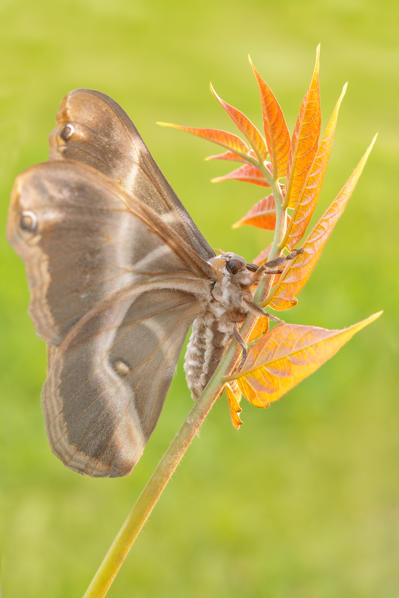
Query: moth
[[118, 272]]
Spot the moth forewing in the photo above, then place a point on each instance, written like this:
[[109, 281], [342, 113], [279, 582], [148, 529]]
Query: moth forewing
[[93, 129]]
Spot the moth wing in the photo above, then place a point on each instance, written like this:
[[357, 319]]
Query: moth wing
[[108, 379], [93, 129], [116, 269], [82, 238]]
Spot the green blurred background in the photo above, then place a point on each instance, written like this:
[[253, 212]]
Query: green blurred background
[[304, 500]]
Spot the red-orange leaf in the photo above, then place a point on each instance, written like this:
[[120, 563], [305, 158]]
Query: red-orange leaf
[[276, 132], [245, 174], [246, 127], [230, 156], [286, 355], [297, 271], [310, 193], [233, 394], [261, 215], [304, 139], [223, 138], [260, 328]]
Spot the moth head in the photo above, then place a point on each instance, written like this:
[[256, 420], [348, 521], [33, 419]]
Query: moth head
[[232, 266], [235, 263]]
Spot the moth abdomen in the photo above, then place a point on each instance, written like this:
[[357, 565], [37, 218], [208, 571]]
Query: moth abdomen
[[206, 345], [213, 330]]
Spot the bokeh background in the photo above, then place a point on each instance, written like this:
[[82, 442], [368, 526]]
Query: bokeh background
[[304, 500]]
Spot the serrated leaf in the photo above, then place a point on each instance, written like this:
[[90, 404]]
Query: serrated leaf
[[286, 355], [223, 138], [246, 127], [233, 394], [245, 174], [276, 131], [297, 272], [310, 193], [304, 139], [261, 215]]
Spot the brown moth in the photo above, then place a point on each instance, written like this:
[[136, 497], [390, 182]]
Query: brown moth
[[118, 272]]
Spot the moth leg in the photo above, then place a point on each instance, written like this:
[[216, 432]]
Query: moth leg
[[242, 344], [278, 261], [256, 309], [262, 271], [280, 271], [267, 268]]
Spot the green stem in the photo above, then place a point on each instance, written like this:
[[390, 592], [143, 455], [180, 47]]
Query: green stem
[[150, 495], [152, 492], [280, 227], [279, 233]]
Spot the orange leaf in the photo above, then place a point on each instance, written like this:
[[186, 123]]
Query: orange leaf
[[261, 215], [223, 138], [233, 394], [297, 272], [231, 156], [276, 132], [245, 174], [246, 127], [260, 328], [288, 354], [310, 193], [304, 139]]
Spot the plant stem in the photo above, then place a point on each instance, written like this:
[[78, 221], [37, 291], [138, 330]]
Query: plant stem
[[279, 230], [279, 233], [151, 493]]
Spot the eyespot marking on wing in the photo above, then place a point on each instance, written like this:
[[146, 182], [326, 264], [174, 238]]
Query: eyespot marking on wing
[[67, 132], [28, 221], [121, 368]]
